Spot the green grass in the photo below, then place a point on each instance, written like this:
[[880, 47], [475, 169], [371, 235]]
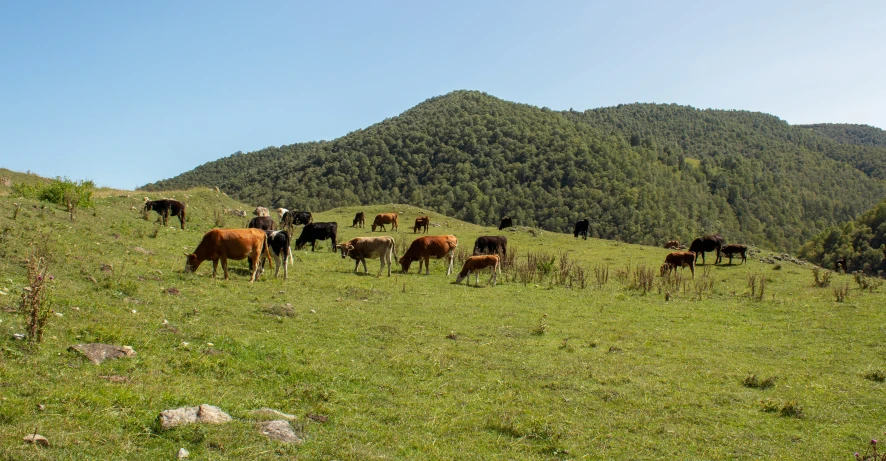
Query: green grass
[[416, 367]]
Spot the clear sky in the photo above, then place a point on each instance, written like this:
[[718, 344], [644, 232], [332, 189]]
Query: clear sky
[[125, 93]]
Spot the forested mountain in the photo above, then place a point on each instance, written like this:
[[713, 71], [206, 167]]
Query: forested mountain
[[641, 173], [862, 135], [861, 242]]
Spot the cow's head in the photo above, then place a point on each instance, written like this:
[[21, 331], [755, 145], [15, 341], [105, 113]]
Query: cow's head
[[405, 263], [299, 244], [148, 204], [191, 262], [346, 249]]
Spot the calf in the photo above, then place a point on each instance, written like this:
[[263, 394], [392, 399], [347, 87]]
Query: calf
[[318, 231], [581, 228], [423, 248], [359, 220], [224, 244], [732, 249], [166, 208], [422, 222], [361, 248], [673, 245], [280, 250], [475, 264], [491, 244], [386, 218], [505, 222], [678, 259], [261, 222]]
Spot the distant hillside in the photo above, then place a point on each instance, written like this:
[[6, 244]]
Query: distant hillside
[[861, 242], [862, 135], [641, 173]]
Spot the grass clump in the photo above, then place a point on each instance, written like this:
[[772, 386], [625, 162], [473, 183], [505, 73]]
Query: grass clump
[[755, 383], [876, 375], [788, 409]]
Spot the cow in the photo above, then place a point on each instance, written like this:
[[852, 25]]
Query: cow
[[361, 248], [224, 244], [261, 222], [732, 249], [359, 220], [491, 244], [261, 211], [386, 218], [506, 222], [166, 208], [840, 264], [295, 218], [281, 212], [581, 228], [280, 251], [475, 264], [317, 231], [423, 248], [678, 259], [672, 245], [704, 244], [422, 222]]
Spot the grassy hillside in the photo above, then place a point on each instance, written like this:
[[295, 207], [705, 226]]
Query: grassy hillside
[[642, 173], [415, 367]]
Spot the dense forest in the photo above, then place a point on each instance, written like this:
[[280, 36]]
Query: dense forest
[[862, 135], [642, 173], [861, 242]]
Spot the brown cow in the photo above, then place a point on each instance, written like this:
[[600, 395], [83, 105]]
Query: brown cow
[[360, 248], [224, 244], [673, 245], [476, 263], [732, 249], [386, 218], [422, 222], [678, 259], [423, 248]]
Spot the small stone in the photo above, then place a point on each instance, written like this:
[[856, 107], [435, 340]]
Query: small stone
[[280, 430], [98, 353], [313, 311], [182, 453], [36, 439], [134, 311], [18, 336], [59, 314]]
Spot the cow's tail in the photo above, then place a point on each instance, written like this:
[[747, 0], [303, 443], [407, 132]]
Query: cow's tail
[[182, 215]]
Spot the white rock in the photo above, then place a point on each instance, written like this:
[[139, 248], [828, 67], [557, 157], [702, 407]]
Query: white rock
[[182, 453]]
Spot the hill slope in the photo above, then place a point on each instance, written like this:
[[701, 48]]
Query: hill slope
[[641, 173]]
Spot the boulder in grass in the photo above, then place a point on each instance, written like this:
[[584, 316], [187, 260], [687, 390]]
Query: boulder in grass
[[280, 430], [271, 413], [98, 353], [36, 439], [187, 415]]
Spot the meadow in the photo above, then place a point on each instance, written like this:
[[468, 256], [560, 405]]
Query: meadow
[[611, 362]]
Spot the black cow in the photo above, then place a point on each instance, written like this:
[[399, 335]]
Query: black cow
[[166, 208], [318, 231], [705, 244], [295, 218], [264, 223], [491, 245], [735, 249], [506, 222], [359, 220], [840, 264], [279, 242], [581, 228]]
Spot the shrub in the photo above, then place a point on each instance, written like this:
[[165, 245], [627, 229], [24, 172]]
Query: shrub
[[36, 303], [822, 277]]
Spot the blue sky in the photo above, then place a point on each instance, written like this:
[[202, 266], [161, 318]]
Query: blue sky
[[126, 93]]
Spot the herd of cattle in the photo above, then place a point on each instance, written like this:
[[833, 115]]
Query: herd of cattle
[[261, 242]]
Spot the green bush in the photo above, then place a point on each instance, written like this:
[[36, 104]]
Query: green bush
[[61, 191]]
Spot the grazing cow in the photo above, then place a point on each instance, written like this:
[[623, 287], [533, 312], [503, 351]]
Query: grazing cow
[[317, 231], [296, 218], [224, 244], [361, 248], [386, 218], [581, 228], [704, 244], [261, 222], [280, 251], [261, 211], [673, 245], [840, 264], [506, 222], [423, 248], [166, 208], [732, 249], [422, 222], [491, 245], [359, 220], [475, 264], [678, 259]]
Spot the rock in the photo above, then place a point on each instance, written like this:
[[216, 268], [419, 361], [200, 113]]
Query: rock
[[269, 412], [98, 353], [187, 415], [279, 430], [142, 250], [182, 453], [36, 439]]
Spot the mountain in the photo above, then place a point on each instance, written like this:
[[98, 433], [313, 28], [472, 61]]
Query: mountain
[[861, 242], [862, 135], [642, 173]]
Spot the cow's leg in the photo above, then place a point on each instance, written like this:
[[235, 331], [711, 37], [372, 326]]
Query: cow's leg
[[477, 277], [224, 263], [692, 269], [365, 269], [214, 267], [451, 256], [356, 265]]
